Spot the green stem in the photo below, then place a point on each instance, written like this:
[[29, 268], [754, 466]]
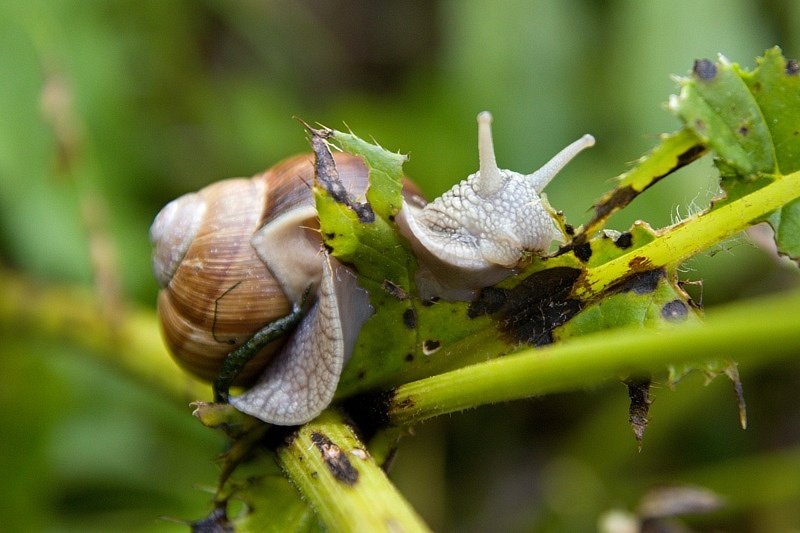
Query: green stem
[[129, 338], [679, 242], [595, 358], [334, 473]]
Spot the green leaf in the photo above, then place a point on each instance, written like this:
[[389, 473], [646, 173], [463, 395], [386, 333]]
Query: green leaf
[[385, 173], [406, 338], [651, 299], [775, 85], [786, 223], [752, 122], [716, 104]]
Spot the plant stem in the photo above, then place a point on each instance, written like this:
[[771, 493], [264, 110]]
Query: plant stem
[[334, 473], [75, 315], [595, 358], [679, 242]]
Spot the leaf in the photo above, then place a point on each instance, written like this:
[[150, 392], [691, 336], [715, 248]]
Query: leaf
[[673, 152], [717, 105], [752, 122], [786, 223], [602, 279], [372, 246]]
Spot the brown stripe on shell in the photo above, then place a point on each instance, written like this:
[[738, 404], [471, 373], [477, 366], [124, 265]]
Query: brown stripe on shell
[[226, 293]]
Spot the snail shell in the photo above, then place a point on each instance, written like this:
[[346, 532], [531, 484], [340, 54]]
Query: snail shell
[[237, 255]]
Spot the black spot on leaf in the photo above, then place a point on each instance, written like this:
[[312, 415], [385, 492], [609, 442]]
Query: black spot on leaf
[[431, 346], [624, 241], [640, 282], [410, 318], [704, 69], [530, 312], [675, 311], [490, 301], [583, 251], [792, 67], [369, 412]]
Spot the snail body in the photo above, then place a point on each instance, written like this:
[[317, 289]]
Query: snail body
[[243, 253], [475, 234]]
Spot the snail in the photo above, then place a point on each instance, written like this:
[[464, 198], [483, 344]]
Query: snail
[[475, 234], [242, 271]]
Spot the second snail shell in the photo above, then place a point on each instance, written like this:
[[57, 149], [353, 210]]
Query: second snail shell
[[216, 290]]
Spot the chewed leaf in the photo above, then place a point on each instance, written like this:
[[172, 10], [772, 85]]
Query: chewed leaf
[[717, 105], [673, 152], [385, 173], [711, 370], [407, 337], [371, 245], [786, 223], [602, 279], [752, 122]]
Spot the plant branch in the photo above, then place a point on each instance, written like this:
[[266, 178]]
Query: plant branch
[[677, 243], [333, 471], [728, 332], [130, 340]]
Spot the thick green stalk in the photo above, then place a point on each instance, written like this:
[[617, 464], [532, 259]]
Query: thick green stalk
[[678, 243], [746, 332], [127, 337], [334, 473]]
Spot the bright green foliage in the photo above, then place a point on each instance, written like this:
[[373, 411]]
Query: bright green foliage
[[374, 249], [111, 109], [752, 122], [626, 280], [662, 305], [749, 119]]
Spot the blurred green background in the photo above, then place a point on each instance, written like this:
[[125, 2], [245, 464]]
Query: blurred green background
[[109, 109]]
